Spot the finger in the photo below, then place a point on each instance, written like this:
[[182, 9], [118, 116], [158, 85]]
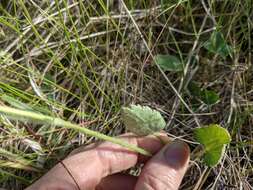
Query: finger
[[160, 139], [166, 169], [117, 181], [89, 167], [84, 148], [146, 144]]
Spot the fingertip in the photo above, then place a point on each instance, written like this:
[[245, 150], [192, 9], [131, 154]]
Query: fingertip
[[177, 154], [166, 169]]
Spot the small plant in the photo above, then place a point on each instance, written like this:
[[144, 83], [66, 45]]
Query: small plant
[[209, 97], [217, 44]]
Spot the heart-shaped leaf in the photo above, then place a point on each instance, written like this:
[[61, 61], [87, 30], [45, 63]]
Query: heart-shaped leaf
[[217, 44], [142, 120], [169, 63], [214, 139]]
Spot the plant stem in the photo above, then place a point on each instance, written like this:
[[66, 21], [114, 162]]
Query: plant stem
[[21, 115]]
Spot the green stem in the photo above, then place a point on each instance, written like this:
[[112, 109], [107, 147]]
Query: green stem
[[22, 115]]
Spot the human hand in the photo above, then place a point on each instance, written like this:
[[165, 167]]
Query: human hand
[[97, 167]]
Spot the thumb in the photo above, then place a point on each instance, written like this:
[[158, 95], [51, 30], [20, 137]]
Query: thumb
[[166, 169]]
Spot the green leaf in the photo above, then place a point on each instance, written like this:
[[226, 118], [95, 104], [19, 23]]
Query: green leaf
[[214, 139], [142, 120], [209, 97], [169, 63], [217, 44]]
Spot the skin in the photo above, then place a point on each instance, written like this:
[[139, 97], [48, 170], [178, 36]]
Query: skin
[[98, 167]]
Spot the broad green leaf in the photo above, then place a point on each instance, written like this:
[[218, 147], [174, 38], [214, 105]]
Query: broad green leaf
[[169, 63], [214, 139], [142, 120], [209, 97], [217, 44]]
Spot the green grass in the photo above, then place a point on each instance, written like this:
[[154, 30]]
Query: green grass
[[82, 61]]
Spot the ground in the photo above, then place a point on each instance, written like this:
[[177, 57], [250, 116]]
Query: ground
[[82, 60]]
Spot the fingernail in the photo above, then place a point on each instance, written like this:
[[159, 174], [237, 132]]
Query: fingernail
[[177, 154]]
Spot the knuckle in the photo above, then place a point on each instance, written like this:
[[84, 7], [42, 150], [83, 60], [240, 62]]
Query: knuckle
[[152, 181]]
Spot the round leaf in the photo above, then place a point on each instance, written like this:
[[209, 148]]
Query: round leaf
[[209, 97], [142, 120], [213, 138]]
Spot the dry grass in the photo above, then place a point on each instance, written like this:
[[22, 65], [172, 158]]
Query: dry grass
[[83, 60]]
